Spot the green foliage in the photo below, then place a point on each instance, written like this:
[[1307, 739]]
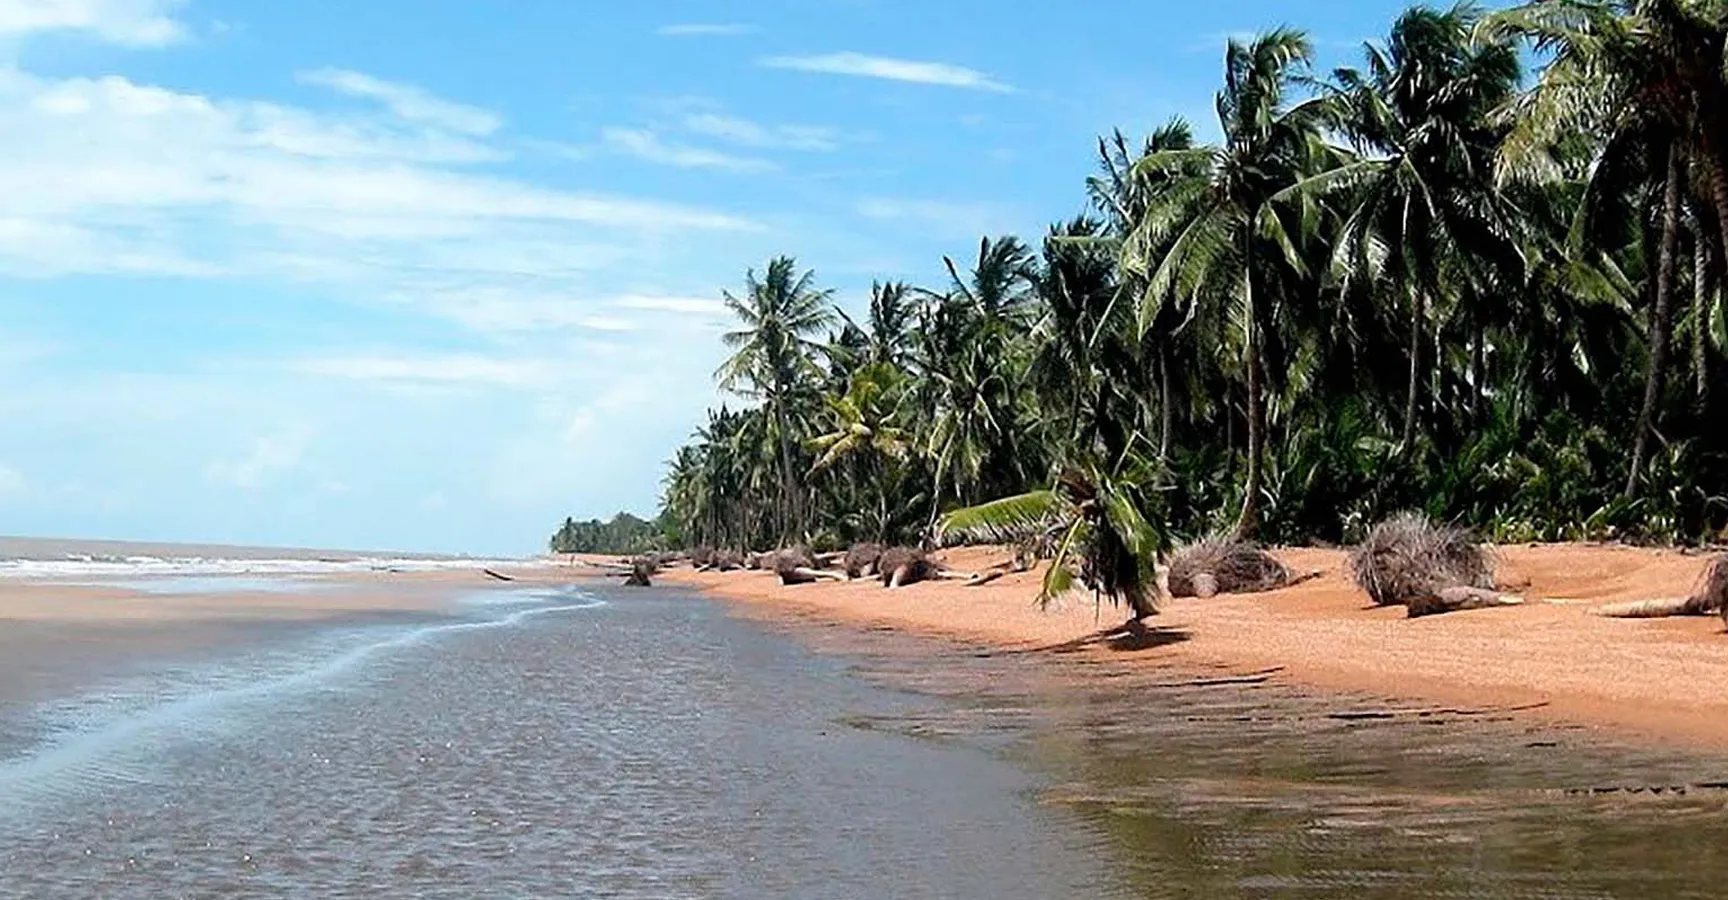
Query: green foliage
[[1419, 284], [624, 534]]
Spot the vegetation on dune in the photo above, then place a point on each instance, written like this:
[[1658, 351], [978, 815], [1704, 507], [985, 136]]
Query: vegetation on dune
[[1433, 282]]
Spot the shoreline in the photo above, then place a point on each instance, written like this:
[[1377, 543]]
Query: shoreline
[[1551, 660]]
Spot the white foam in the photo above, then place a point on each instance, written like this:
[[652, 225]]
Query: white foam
[[85, 568]]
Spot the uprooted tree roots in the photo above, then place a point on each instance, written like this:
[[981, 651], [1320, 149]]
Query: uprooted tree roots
[[861, 560], [1710, 597], [1224, 566], [1426, 568]]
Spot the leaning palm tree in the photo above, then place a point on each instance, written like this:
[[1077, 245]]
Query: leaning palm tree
[[1214, 219], [774, 358], [1092, 520]]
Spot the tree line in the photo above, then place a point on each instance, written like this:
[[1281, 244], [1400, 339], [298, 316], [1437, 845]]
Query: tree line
[[1433, 281], [624, 534]]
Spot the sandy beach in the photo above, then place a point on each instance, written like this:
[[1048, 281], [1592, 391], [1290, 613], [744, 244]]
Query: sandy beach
[[1552, 658], [54, 633]]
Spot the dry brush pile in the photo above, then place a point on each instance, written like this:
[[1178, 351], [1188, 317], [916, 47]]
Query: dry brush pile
[[1410, 561], [1224, 566]]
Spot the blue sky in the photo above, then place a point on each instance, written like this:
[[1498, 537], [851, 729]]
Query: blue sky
[[430, 275]]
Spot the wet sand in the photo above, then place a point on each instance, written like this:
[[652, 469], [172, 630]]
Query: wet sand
[[56, 635], [1551, 660]]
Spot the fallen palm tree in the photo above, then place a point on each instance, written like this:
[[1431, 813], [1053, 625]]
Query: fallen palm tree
[[1221, 565], [1426, 568], [798, 566], [861, 560], [642, 571], [728, 561], [1710, 597], [901, 566]]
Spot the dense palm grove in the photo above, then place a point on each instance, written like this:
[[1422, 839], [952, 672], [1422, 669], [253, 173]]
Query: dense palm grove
[[1433, 282]]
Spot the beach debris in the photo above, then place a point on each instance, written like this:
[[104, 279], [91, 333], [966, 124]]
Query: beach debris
[[702, 558], [901, 566], [797, 566], [1409, 560], [1709, 597], [860, 561], [497, 575], [1219, 565], [1455, 599], [728, 561], [642, 571]]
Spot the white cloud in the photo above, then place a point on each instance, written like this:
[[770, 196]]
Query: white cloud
[[449, 370], [689, 306], [132, 23], [947, 218], [645, 145], [407, 101], [109, 176], [866, 66], [770, 137], [705, 30], [269, 456]]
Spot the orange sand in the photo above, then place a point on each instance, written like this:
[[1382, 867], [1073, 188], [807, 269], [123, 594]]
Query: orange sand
[[1664, 679]]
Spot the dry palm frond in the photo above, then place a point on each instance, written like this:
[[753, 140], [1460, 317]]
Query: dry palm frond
[[900, 566], [1224, 566], [861, 560], [1408, 558]]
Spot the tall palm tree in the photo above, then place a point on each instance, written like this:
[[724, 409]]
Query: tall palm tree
[[1224, 241], [1619, 71], [1422, 195], [773, 358]]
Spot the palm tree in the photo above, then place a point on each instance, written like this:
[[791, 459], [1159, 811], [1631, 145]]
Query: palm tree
[[1214, 215], [865, 434], [1621, 70], [1421, 196], [1092, 520], [774, 357]]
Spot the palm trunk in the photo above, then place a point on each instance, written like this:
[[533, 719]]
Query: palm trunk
[[1660, 315], [1478, 366], [1700, 306], [1166, 414], [790, 501], [1249, 521], [1418, 312]]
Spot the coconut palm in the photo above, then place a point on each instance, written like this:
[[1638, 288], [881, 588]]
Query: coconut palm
[[1623, 73], [1091, 518], [1214, 214], [866, 436], [1421, 197], [774, 357]]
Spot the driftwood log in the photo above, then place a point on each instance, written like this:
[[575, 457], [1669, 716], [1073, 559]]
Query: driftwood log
[[1455, 599], [1709, 598]]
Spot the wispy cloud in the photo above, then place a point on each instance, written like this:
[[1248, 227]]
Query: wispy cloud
[[648, 146], [697, 29], [689, 306], [944, 218], [406, 101], [449, 370], [270, 455], [866, 66], [768, 137], [131, 23]]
